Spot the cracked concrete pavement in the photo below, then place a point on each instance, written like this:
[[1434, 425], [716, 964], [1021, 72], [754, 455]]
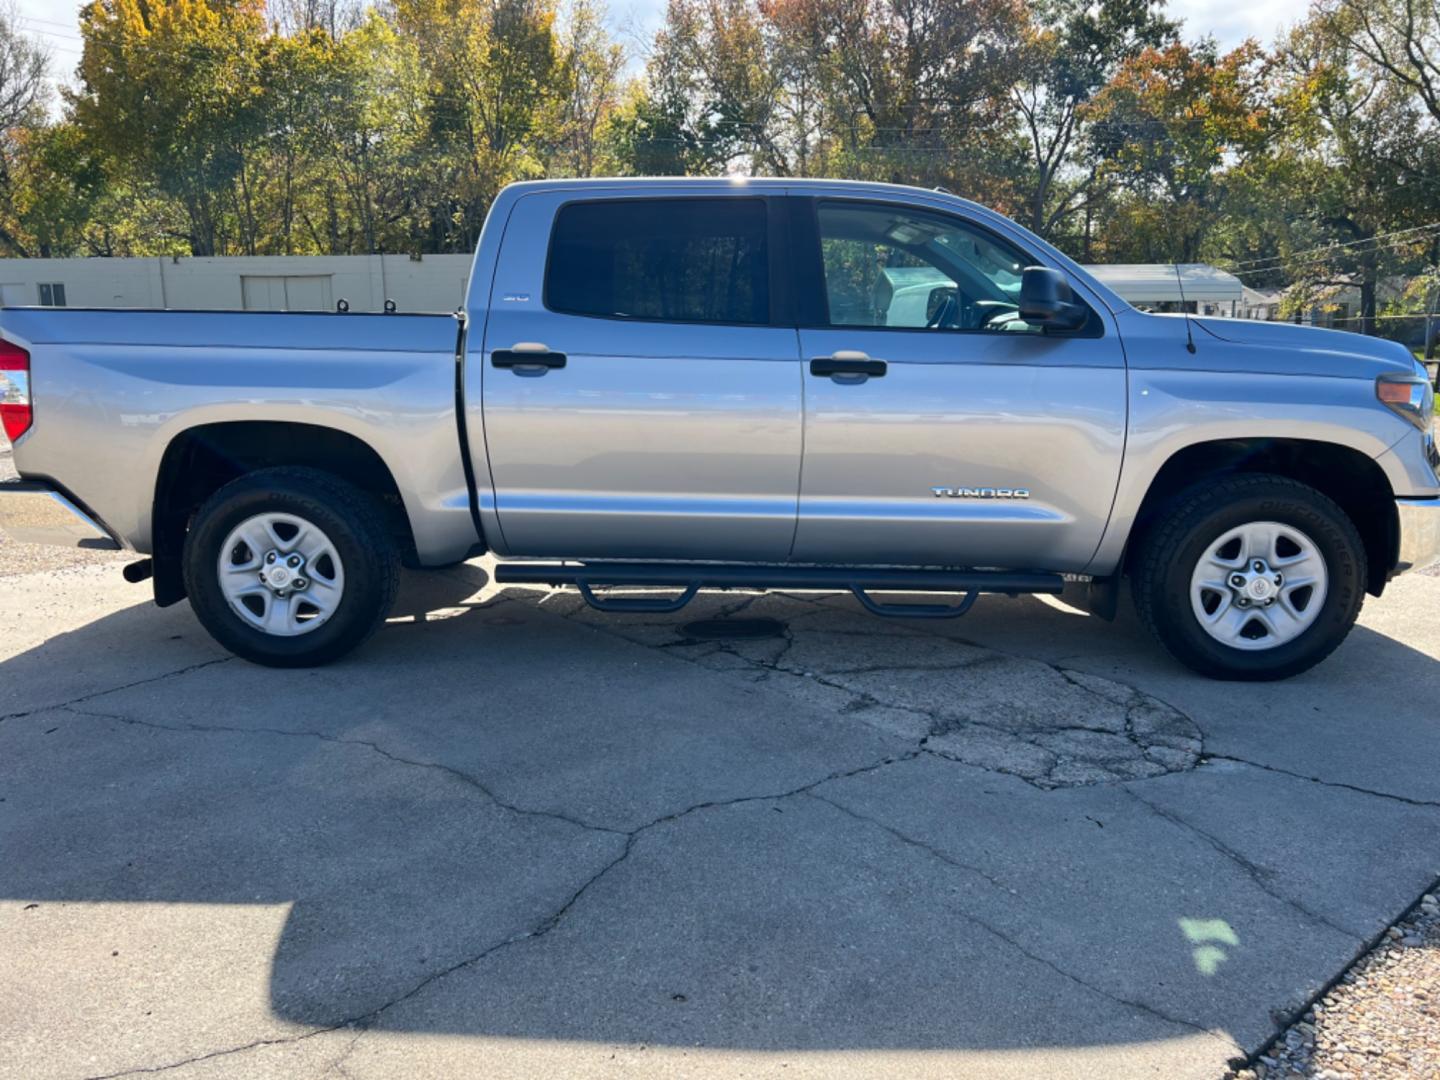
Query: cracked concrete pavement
[[517, 837]]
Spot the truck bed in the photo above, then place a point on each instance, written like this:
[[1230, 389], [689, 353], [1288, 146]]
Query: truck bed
[[113, 388]]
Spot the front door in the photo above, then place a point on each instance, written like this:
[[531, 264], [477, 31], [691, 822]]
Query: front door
[[641, 398], [939, 428]]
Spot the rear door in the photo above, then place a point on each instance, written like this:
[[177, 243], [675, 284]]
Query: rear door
[[939, 428], [641, 393]]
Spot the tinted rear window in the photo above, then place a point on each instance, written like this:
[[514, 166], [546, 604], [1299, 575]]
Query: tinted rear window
[[675, 260]]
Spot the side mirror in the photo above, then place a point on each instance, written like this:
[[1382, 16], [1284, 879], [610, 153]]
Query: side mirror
[[937, 306], [1046, 300]]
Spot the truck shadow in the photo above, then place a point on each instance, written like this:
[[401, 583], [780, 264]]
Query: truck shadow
[[497, 821]]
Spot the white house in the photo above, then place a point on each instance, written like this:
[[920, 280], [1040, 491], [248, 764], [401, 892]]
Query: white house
[[1203, 289]]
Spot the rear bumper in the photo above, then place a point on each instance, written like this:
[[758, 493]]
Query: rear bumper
[[35, 513], [1419, 534]]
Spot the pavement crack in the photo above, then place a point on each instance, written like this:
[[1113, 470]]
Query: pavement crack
[[368, 744], [929, 849], [1020, 947], [632, 838], [116, 689], [803, 789], [364, 1021], [1261, 876], [1162, 746], [340, 1062], [1038, 783], [918, 669], [1394, 796], [735, 609], [211, 1055]]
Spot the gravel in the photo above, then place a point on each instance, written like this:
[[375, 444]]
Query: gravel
[[1381, 1021]]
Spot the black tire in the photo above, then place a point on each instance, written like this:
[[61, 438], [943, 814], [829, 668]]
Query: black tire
[[1173, 545], [356, 529]]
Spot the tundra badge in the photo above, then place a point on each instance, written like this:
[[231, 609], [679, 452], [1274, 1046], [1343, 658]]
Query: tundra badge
[[980, 493]]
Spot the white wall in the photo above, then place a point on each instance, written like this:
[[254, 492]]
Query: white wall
[[431, 283]]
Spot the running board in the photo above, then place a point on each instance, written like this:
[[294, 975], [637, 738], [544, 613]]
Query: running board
[[692, 577]]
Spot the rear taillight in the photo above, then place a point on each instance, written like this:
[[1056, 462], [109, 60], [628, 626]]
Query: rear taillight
[[15, 412]]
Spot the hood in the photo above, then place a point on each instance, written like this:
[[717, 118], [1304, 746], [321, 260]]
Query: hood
[[1290, 348]]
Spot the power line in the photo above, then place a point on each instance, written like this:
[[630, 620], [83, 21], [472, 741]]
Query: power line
[[1290, 267], [49, 22], [1329, 248]]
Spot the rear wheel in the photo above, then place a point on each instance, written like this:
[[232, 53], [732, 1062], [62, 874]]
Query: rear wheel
[[290, 567], [1252, 577]]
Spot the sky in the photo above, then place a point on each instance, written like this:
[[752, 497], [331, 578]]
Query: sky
[[1230, 21]]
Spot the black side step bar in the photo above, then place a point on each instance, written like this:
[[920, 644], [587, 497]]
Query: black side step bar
[[691, 577]]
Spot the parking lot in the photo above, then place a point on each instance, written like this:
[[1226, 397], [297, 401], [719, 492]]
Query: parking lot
[[515, 837]]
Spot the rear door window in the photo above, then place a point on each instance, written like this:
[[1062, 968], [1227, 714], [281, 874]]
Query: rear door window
[[666, 260]]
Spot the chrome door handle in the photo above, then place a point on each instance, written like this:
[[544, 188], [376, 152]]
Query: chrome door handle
[[846, 363], [527, 358]]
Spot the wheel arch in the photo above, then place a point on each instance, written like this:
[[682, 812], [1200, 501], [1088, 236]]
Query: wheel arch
[[1355, 481], [200, 460]]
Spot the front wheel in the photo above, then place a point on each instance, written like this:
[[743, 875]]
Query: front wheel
[[1251, 577], [290, 567]]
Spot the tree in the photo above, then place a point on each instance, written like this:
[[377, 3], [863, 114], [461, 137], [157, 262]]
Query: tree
[[714, 80], [1349, 173], [335, 17], [170, 88], [53, 186], [591, 63], [648, 135], [905, 90], [1164, 129], [24, 93], [1400, 39], [24, 75], [1071, 49], [358, 142], [495, 86], [915, 91]]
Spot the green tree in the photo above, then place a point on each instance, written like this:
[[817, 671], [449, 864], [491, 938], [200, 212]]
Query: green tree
[[360, 139], [495, 87], [1398, 39], [1347, 175], [24, 93], [1071, 50], [649, 135], [1165, 128], [171, 89], [591, 63]]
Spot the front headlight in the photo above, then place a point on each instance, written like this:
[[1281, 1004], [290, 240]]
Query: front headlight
[[1411, 396]]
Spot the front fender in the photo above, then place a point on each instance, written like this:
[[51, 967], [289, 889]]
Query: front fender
[[1171, 410]]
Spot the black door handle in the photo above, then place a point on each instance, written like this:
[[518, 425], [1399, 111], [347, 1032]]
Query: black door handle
[[847, 363], [525, 358]]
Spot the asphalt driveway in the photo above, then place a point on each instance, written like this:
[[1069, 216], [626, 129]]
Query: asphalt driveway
[[514, 837]]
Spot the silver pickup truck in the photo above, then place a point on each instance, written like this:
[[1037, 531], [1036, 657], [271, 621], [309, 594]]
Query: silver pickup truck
[[756, 384]]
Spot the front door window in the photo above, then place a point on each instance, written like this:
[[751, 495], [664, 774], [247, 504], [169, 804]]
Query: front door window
[[894, 267]]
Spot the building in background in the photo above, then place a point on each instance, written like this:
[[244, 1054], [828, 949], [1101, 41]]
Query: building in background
[[241, 283], [1195, 287], [1261, 304]]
